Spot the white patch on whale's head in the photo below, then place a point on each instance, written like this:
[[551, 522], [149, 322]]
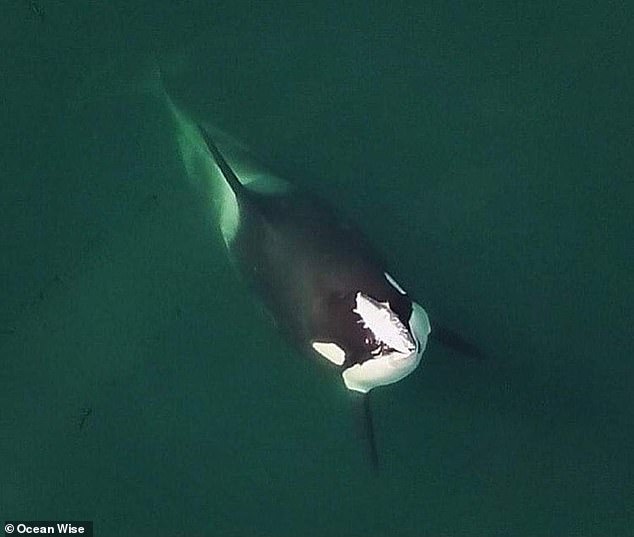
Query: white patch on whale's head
[[401, 348], [330, 351], [386, 327], [394, 284]]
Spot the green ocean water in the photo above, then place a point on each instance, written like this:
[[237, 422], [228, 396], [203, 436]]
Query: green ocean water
[[485, 148]]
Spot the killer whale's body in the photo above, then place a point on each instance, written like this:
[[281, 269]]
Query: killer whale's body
[[321, 279], [317, 274]]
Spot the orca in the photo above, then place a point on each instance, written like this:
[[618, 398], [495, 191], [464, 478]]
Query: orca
[[323, 282]]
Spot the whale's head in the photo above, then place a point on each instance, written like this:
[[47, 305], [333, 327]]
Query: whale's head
[[382, 337], [395, 346]]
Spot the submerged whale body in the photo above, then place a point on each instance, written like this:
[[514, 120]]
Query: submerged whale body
[[321, 280]]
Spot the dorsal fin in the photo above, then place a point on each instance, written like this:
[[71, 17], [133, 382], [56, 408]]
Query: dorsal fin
[[227, 172]]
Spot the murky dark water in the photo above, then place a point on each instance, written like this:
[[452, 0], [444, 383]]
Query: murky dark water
[[487, 151]]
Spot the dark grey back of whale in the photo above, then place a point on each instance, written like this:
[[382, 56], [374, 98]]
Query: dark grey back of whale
[[326, 287], [308, 265]]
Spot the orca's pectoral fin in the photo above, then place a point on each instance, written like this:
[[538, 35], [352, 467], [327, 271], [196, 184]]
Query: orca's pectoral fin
[[365, 426], [456, 342]]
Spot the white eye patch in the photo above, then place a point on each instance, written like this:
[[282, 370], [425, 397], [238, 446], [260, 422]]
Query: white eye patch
[[330, 351], [394, 284]]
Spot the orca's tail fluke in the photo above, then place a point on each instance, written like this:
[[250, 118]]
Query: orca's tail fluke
[[124, 75]]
